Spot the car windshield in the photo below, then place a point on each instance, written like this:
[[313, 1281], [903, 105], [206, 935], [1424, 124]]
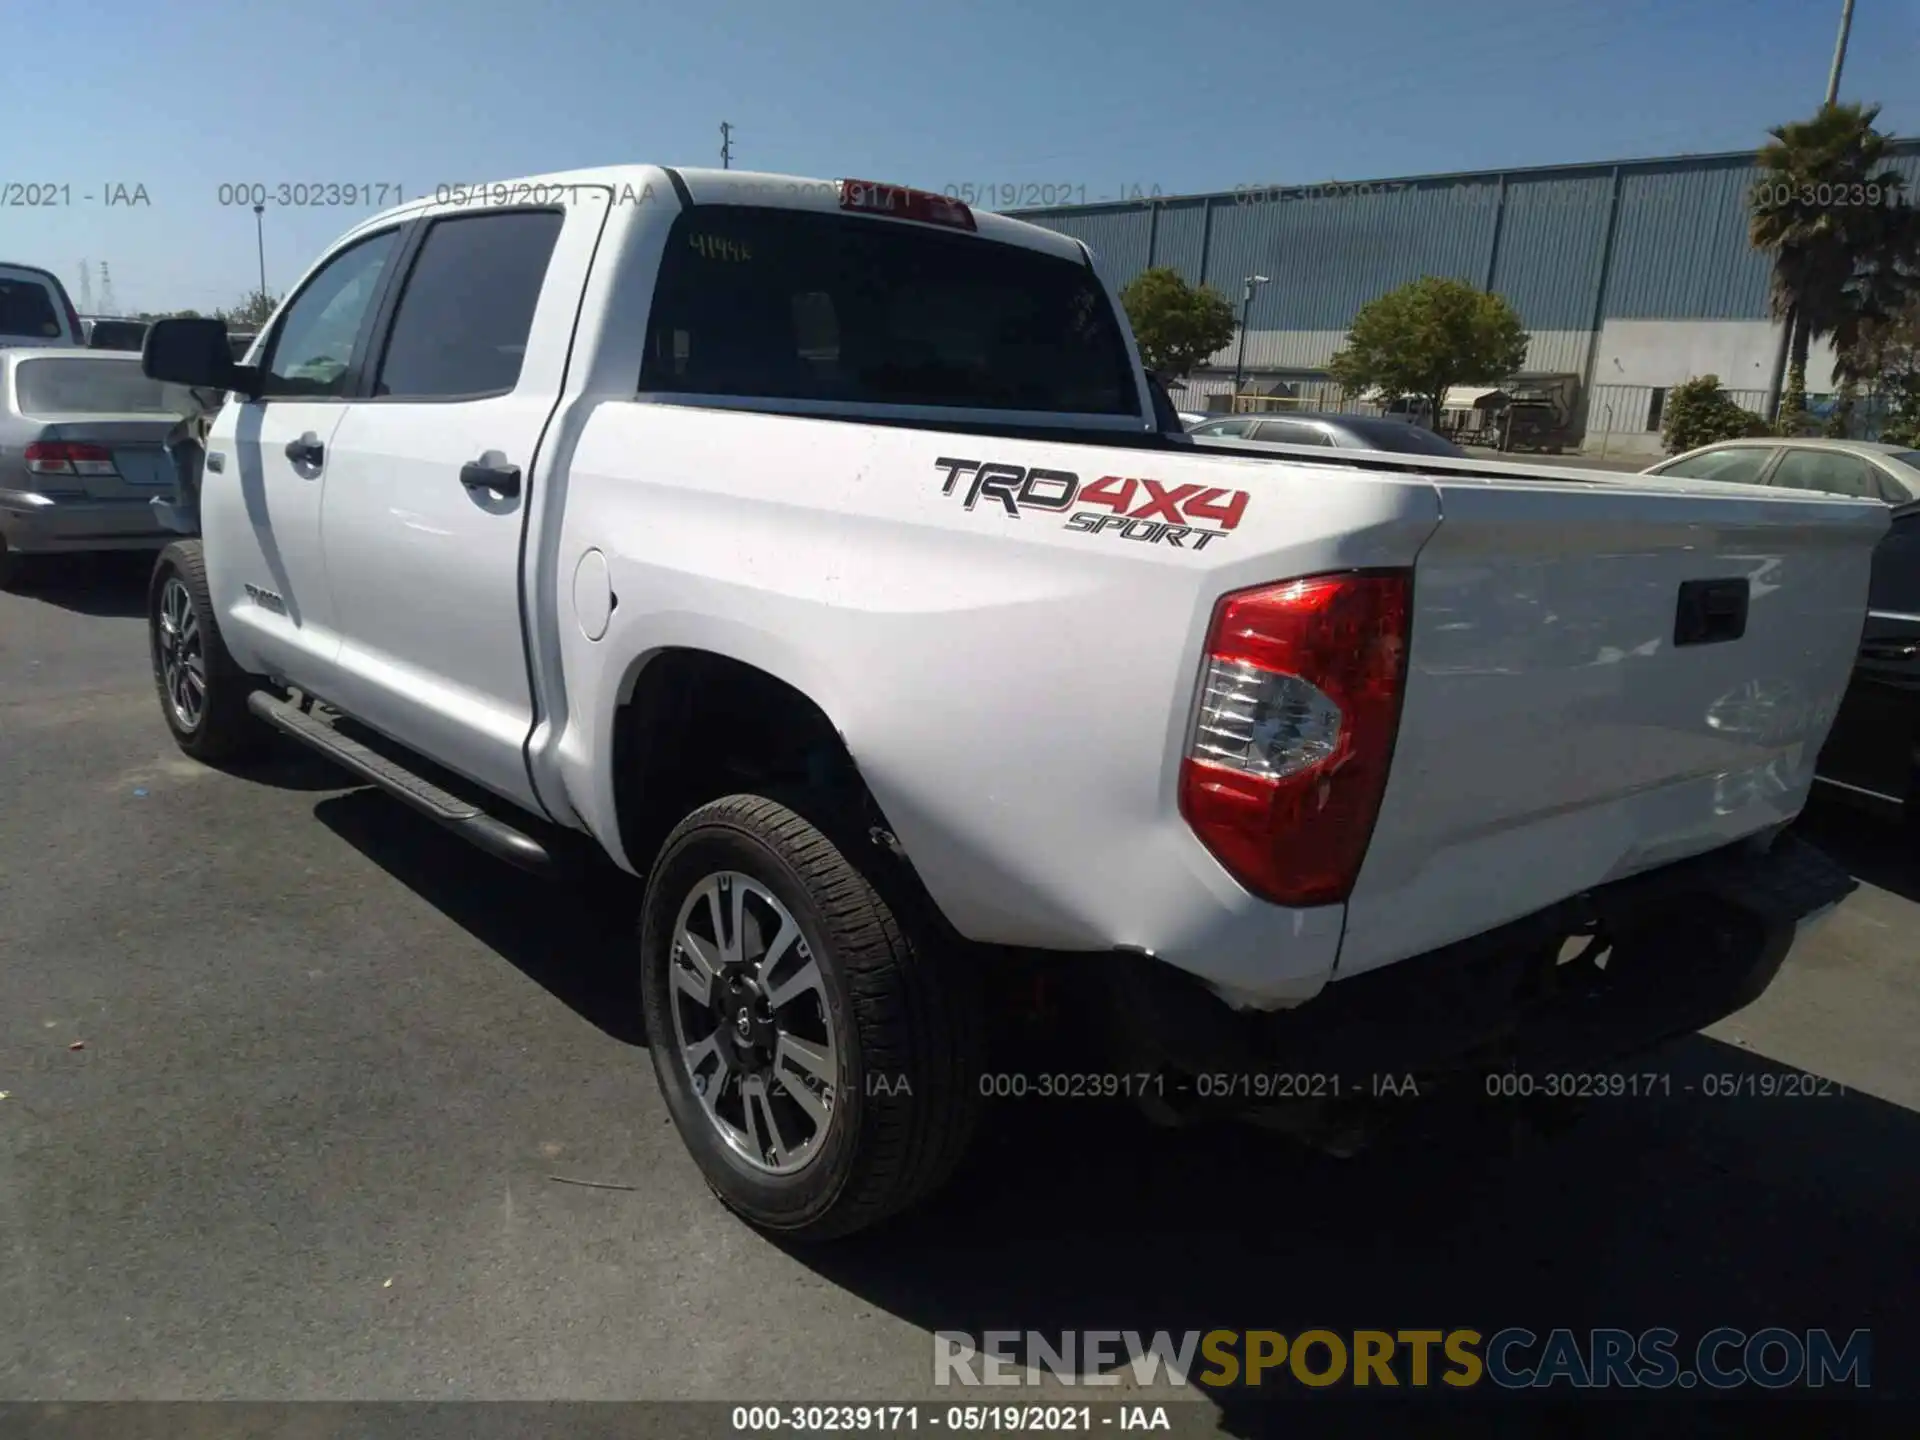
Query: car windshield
[[60, 386]]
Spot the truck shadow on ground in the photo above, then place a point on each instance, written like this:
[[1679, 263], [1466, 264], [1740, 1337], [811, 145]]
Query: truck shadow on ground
[[1684, 1208], [1875, 851], [109, 584], [571, 936]]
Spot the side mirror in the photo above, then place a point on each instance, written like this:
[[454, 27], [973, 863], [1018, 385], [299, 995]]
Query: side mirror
[[195, 353]]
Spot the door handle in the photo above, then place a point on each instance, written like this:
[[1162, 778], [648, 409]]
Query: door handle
[[307, 450], [492, 471]]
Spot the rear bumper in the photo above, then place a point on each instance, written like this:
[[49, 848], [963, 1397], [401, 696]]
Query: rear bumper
[[43, 524], [1683, 946]]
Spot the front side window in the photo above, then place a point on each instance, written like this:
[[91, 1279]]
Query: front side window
[[1234, 428], [1291, 432], [463, 320], [1402, 438], [1833, 472], [789, 304], [312, 349], [1740, 466]]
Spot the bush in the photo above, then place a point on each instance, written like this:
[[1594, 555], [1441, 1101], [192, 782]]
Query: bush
[[1699, 413]]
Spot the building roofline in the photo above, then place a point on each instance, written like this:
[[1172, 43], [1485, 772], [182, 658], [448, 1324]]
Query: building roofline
[[1897, 145]]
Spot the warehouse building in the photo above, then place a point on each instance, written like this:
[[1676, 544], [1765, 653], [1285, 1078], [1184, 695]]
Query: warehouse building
[[1631, 276]]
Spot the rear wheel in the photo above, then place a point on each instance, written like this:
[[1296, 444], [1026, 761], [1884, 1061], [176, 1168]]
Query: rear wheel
[[818, 1054], [203, 693]]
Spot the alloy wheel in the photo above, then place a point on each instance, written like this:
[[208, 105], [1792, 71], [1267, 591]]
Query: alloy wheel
[[753, 1024]]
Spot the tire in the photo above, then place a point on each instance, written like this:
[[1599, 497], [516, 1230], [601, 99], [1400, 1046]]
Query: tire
[[182, 630], [898, 1006]]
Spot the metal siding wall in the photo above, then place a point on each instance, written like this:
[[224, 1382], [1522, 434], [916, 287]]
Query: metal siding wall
[[1177, 243], [1117, 237], [1681, 251], [1329, 255], [1551, 239], [1558, 352]]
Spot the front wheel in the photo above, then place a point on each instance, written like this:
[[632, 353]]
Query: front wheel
[[203, 693], [817, 1055]]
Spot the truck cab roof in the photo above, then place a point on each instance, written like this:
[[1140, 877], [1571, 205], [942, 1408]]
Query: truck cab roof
[[643, 183]]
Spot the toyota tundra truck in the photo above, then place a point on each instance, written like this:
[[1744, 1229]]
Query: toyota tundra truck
[[822, 554]]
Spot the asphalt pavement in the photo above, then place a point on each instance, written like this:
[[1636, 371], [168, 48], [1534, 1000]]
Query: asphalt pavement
[[298, 1085]]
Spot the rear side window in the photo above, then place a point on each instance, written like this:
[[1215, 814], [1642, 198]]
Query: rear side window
[[794, 305], [1833, 471], [88, 387], [1735, 467], [463, 320], [27, 309]]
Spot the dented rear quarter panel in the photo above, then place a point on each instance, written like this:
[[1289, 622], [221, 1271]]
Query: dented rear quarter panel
[[1015, 690]]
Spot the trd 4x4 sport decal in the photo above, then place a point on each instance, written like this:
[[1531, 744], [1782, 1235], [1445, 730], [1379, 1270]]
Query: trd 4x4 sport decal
[[1133, 508]]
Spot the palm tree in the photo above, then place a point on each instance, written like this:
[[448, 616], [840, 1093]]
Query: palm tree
[[1828, 209]]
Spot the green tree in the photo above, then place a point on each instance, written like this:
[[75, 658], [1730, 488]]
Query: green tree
[[1884, 358], [1427, 336], [252, 312], [1845, 248], [1699, 412], [1176, 325]]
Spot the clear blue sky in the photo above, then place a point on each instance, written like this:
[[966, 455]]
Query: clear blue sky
[[181, 96]]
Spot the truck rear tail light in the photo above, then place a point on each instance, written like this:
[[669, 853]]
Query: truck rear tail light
[[64, 457], [873, 198], [1299, 705]]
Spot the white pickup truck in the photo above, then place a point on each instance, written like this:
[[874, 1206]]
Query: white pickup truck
[[821, 552]]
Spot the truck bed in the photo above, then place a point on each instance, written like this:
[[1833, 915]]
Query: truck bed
[[1018, 688]]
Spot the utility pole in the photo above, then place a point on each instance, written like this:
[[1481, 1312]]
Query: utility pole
[[1777, 385], [726, 144], [1839, 51], [1240, 355], [86, 287], [260, 240], [107, 305]]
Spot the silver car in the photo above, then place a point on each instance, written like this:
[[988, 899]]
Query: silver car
[[81, 455], [1859, 468], [1342, 432]]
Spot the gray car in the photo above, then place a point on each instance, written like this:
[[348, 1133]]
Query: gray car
[[1341, 432], [1859, 468], [81, 455]]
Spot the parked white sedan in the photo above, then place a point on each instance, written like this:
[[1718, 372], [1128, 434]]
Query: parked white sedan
[[1859, 468]]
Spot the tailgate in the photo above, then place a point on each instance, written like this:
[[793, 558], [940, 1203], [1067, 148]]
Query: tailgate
[[1555, 736]]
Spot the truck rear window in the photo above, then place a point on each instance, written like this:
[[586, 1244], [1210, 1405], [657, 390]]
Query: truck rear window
[[26, 308], [788, 304], [88, 387]]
